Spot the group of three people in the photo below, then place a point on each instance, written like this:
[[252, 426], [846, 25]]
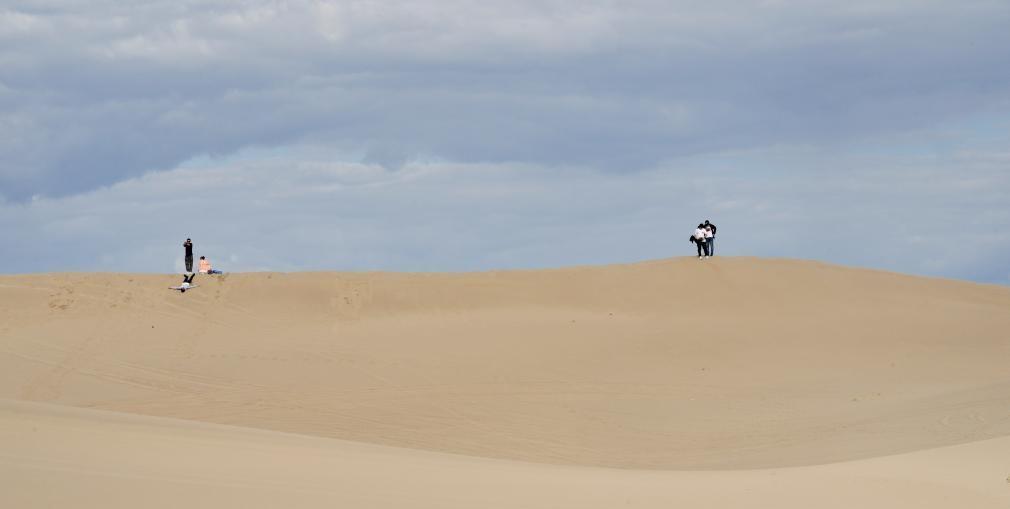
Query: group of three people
[[704, 239]]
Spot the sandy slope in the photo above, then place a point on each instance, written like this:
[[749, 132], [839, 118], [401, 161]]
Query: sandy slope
[[60, 457], [719, 365]]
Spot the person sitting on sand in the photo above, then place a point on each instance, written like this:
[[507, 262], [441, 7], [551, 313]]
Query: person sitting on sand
[[205, 267], [699, 240]]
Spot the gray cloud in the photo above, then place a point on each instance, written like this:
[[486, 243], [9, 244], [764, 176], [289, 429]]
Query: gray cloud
[[455, 135], [99, 92]]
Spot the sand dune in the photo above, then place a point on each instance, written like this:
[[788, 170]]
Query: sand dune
[[60, 457], [676, 380]]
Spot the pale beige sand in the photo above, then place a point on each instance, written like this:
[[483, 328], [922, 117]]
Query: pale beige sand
[[61, 457], [704, 367]]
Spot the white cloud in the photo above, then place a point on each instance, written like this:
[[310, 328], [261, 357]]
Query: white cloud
[[305, 211], [19, 24]]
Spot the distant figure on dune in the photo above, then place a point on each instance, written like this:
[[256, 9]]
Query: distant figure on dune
[[710, 241], [699, 240], [205, 267], [189, 254], [187, 283]]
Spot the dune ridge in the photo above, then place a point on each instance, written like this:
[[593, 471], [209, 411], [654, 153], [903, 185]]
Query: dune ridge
[[706, 368]]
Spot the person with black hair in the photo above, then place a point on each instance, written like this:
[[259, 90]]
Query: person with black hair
[[187, 283], [205, 267], [699, 241], [189, 254], [711, 239]]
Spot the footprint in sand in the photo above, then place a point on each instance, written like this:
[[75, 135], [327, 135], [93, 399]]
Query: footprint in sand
[[62, 299]]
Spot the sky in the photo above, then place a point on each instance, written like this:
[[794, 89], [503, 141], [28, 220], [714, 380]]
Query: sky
[[472, 135]]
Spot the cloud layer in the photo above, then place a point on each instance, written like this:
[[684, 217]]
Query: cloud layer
[[97, 92], [450, 217], [459, 134]]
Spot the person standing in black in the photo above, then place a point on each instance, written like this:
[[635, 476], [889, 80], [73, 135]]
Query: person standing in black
[[711, 240], [189, 254]]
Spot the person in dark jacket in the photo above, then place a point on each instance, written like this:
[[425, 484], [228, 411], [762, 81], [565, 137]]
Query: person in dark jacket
[[187, 283], [710, 240], [189, 254]]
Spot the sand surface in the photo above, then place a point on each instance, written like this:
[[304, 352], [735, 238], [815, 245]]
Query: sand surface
[[717, 383]]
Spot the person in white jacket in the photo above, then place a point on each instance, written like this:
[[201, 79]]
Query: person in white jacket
[[709, 241], [699, 240]]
